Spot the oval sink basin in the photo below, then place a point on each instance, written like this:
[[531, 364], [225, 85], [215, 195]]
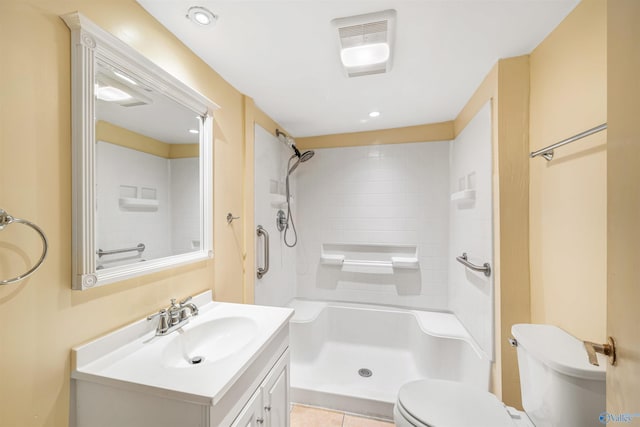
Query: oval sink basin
[[209, 342]]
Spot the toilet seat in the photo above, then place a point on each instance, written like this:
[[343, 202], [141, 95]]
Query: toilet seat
[[441, 403]]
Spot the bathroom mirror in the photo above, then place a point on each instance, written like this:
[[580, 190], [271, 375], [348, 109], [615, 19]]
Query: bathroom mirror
[[141, 159]]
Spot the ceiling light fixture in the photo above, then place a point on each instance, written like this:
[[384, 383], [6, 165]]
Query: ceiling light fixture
[[363, 55], [111, 94], [366, 42], [201, 15], [374, 114], [194, 131]]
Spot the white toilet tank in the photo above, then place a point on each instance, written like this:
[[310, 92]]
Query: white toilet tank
[[559, 387]]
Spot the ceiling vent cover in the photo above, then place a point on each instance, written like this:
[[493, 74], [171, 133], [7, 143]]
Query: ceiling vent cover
[[366, 42]]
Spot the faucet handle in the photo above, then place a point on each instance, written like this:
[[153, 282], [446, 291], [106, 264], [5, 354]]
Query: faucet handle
[[163, 323], [608, 349], [186, 305], [161, 313]]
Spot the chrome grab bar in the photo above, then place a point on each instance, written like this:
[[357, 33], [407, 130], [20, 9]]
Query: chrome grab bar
[[260, 231], [6, 219], [140, 248], [485, 268]]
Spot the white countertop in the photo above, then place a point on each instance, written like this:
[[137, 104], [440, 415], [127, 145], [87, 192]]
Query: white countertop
[[132, 357]]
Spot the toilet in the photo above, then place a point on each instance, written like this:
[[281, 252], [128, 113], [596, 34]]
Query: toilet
[[559, 389]]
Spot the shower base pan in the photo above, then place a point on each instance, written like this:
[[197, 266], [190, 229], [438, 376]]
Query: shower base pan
[[355, 357]]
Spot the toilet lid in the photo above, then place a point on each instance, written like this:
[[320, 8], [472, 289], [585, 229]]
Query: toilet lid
[[441, 403]]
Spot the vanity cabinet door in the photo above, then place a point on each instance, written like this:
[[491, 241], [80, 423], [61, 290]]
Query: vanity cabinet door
[[252, 414], [276, 394], [269, 405]]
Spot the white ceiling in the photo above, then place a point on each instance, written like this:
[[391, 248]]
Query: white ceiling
[[284, 54]]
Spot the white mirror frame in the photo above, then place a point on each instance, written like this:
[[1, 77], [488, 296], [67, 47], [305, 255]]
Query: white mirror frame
[[88, 42]]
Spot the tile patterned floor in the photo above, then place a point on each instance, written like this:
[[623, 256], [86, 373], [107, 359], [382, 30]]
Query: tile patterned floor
[[305, 416]]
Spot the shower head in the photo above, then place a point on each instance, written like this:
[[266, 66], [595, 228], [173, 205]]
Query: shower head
[[300, 158], [297, 158], [306, 155]]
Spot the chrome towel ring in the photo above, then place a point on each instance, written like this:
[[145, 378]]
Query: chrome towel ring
[[6, 219]]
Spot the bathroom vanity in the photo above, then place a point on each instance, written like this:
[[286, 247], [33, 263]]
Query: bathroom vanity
[[228, 366]]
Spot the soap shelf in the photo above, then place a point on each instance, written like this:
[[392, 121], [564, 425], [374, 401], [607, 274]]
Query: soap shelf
[[370, 255], [134, 203], [134, 198], [278, 200], [464, 196]]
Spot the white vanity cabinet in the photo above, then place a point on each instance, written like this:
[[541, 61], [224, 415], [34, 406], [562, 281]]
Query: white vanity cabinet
[[269, 405], [276, 396], [253, 414], [131, 378]]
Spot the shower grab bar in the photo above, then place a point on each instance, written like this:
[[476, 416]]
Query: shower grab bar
[[260, 231], [547, 152], [6, 219], [140, 248], [485, 268]]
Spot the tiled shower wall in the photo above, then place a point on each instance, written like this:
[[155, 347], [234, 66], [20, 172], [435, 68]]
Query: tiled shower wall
[[471, 229], [277, 287], [122, 228], [384, 194], [185, 204], [172, 228]]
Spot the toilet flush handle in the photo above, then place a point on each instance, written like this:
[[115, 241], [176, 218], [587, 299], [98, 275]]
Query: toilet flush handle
[[608, 349]]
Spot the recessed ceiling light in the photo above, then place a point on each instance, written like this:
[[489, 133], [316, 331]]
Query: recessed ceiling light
[[374, 114], [194, 131], [201, 15]]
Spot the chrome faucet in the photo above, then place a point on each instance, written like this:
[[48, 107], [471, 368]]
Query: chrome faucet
[[175, 316]]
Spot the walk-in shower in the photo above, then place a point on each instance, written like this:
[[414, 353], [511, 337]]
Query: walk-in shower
[[286, 221], [379, 294]]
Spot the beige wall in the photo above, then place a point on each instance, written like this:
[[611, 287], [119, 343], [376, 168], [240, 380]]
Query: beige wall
[[623, 180], [569, 194], [422, 133], [41, 317]]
